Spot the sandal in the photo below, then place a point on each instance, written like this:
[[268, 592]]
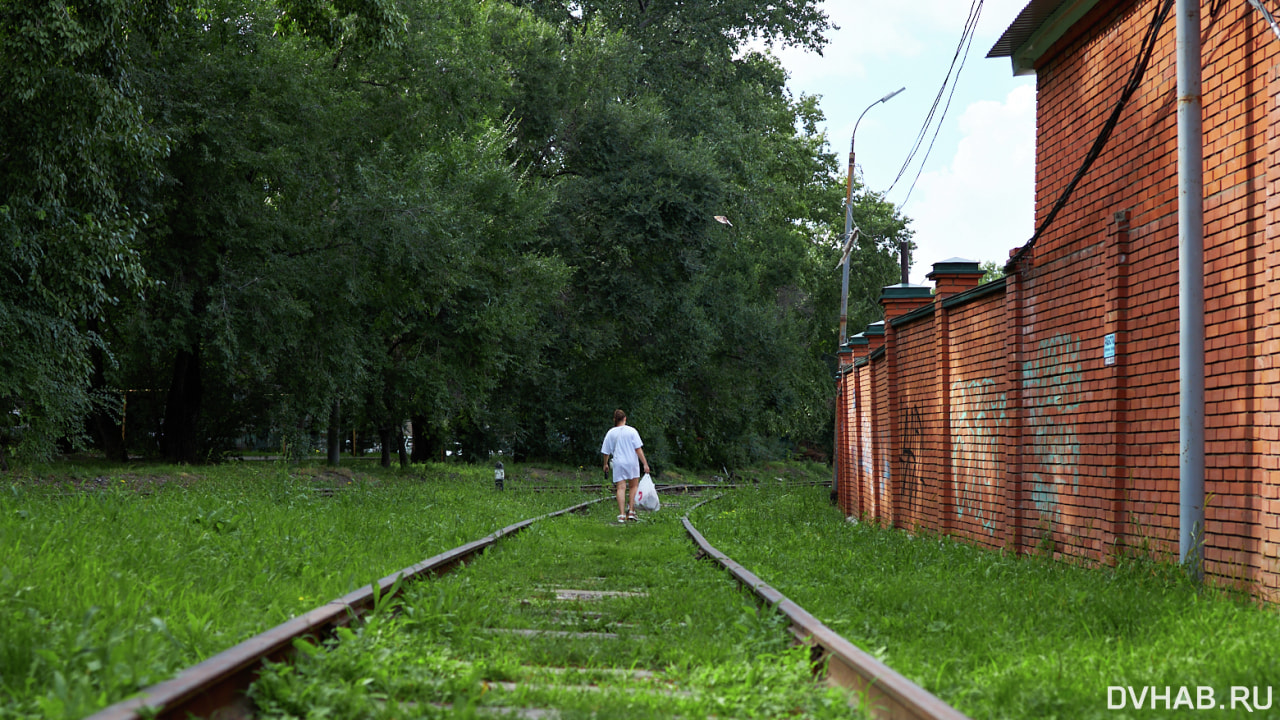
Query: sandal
[[622, 519], [632, 516]]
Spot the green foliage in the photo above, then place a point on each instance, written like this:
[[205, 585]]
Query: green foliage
[[993, 634], [991, 270], [494, 218], [121, 579], [711, 336], [77, 150]]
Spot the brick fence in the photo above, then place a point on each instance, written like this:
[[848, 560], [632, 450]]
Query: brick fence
[[1042, 410], [1013, 416]]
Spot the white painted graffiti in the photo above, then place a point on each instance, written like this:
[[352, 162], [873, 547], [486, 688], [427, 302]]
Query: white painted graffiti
[[1053, 385], [977, 451]]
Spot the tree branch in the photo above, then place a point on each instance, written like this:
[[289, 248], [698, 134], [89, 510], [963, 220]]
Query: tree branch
[[331, 246], [390, 83]]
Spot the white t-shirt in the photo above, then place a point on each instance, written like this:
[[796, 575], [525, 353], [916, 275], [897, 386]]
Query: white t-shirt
[[620, 443]]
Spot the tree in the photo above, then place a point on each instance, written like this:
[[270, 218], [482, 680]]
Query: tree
[[339, 223], [698, 330], [496, 218], [992, 270], [75, 155]]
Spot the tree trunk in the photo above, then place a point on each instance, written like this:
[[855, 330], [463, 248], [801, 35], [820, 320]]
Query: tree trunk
[[404, 455], [421, 449], [334, 440], [386, 436], [180, 441], [104, 426]]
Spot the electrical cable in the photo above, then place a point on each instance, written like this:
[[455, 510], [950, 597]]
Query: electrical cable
[[924, 129], [966, 39], [972, 28], [1135, 80], [1266, 14]]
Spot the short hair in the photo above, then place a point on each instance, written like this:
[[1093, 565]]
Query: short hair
[[619, 416]]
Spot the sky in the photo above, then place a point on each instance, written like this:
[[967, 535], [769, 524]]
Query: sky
[[974, 196]]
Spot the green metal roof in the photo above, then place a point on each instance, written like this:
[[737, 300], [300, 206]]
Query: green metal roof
[[1040, 24]]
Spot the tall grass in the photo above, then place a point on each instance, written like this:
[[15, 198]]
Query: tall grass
[[995, 635], [710, 649], [112, 579]]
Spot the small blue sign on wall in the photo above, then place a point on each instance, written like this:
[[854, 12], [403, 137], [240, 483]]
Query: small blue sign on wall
[[1109, 349]]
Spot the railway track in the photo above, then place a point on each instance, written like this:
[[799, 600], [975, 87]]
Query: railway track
[[575, 618]]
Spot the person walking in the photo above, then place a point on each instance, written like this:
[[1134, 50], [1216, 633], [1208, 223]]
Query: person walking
[[623, 446]]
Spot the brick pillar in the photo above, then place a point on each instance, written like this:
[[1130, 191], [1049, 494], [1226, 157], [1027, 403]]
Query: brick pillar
[[859, 348], [954, 276], [1014, 291], [950, 277], [897, 300], [844, 450], [1268, 376], [869, 441], [1114, 380]]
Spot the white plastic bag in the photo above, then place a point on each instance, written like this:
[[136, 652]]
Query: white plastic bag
[[647, 494]]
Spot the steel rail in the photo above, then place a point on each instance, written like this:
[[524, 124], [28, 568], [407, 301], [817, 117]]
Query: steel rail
[[216, 687], [887, 693]]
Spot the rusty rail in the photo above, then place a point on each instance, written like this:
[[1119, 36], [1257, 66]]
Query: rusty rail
[[676, 488], [886, 692], [216, 687]]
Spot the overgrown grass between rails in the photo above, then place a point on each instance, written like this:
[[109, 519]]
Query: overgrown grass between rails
[[999, 636], [706, 647], [112, 579]]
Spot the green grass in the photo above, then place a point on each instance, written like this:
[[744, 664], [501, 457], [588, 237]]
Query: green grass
[[711, 650], [114, 578], [994, 635]]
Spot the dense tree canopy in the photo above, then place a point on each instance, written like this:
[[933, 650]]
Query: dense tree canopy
[[274, 218]]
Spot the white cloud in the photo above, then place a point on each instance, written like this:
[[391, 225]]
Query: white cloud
[[874, 32], [982, 203], [976, 196]]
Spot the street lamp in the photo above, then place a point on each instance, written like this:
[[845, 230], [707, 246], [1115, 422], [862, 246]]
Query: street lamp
[[848, 220]]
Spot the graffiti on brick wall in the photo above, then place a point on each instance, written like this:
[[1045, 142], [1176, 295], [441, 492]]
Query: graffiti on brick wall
[[977, 449], [1053, 385], [912, 449], [884, 487], [864, 419]]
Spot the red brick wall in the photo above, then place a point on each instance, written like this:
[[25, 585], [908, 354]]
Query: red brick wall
[[1137, 174], [1010, 426], [918, 462], [976, 391], [864, 451], [881, 429]]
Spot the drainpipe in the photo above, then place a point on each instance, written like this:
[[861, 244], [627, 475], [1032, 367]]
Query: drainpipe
[[1190, 292]]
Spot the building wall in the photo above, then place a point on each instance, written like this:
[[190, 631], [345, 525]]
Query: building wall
[[917, 459], [864, 451], [978, 403], [1015, 426]]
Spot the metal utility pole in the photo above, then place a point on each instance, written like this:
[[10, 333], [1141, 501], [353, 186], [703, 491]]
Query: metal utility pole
[[848, 220], [1190, 292]]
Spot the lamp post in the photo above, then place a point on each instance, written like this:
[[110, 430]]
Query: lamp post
[[849, 237], [848, 220]]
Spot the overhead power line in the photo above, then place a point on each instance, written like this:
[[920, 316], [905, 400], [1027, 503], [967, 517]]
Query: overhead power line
[[947, 89], [1266, 14], [1104, 134]]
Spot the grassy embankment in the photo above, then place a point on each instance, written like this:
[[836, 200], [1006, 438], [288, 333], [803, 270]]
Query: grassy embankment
[[999, 636], [114, 578]]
